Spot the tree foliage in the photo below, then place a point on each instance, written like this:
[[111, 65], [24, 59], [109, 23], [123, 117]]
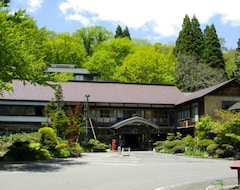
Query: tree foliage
[[148, 65], [92, 36], [190, 39], [230, 65], [21, 49], [109, 56], [237, 60], [212, 54], [228, 127], [122, 33], [191, 75], [64, 49]]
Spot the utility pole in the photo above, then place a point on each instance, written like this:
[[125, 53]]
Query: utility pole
[[86, 113]]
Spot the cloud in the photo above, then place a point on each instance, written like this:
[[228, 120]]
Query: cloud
[[34, 5], [29, 5], [163, 17]]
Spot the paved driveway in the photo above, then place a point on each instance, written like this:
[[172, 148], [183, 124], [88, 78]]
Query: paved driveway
[[111, 171]]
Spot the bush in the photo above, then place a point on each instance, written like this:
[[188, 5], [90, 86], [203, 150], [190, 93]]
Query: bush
[[219, 153], [75, 149], [95, 146], [178, 149], [20, 151], [228, 150], [205, 142], [48, 138], [174, 146], [158, 143], [211, 149]]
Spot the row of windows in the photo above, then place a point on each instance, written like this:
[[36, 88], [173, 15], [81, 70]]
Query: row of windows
[[108, 116], [21, 110], [185, 112]]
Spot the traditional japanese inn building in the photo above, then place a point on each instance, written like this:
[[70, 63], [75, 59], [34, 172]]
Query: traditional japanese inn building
[[134, 114]]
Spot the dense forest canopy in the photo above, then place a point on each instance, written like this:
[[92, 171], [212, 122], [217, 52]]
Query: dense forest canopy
[[27, 51]]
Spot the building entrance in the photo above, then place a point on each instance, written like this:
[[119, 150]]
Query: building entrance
[[137, 141], [131, 140]]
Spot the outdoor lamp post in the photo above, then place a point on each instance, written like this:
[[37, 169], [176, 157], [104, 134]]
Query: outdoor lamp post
[[86, 113]]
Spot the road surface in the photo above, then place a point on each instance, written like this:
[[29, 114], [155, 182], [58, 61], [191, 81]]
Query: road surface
[[112, 171]]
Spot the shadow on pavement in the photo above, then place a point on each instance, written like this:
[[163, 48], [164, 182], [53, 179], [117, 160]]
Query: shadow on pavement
[[40, 166]]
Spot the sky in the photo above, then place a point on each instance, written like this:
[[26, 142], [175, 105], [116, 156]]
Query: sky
[[158, 21]]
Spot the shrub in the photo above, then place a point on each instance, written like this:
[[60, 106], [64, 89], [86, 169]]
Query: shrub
[[228, 150], [178, 149], [204, 143], [158, 143], [75, 149], [62, 153], [20, 151], [95, 146], [48, 138], [219, 153], [211, 149]]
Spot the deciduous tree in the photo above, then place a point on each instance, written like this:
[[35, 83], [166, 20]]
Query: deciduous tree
[[64, 48], [191, 75], [92, 37], [148, 65], [21, 49], [109, 56]]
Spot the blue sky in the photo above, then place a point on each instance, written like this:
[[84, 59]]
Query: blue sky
[[154, 20]]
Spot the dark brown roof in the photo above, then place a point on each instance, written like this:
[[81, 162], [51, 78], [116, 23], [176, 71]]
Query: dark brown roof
[[203, 92], [99, 92]]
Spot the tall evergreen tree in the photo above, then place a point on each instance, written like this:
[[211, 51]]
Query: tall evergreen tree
[[190, 39], [237, 60], [212, 54], [126, 33], [184, 39], [197, 35], [119, 32], [122, 33]]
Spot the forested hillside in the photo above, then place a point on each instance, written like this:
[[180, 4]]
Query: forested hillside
[[195, 61]]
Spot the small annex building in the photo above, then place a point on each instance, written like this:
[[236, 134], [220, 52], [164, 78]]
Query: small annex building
[[134, 114]]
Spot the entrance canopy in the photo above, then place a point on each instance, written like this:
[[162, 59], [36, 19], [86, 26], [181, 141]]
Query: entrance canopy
[[135, 119]]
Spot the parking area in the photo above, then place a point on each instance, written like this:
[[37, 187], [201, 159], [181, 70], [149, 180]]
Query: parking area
[[141, 170]]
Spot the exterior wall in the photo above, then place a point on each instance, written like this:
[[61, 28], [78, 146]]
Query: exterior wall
[[213, 103]]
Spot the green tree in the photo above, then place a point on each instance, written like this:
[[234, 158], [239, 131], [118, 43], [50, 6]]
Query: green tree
[[237, 60], [148, 65], [64, 48], [204, 127], [126, 33], [227, 128], [92, 37], [212, 54], [197, 35], [54, 110], [5, 2], [109, 56], [190, 39], [230, 65], [118, 32], [122, 33], [21, 44], [191, 75]]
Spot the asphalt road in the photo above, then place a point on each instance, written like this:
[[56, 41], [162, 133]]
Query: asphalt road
[[111, 171]]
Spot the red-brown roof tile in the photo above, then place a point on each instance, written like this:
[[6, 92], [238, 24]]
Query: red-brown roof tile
[[104, 92]]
